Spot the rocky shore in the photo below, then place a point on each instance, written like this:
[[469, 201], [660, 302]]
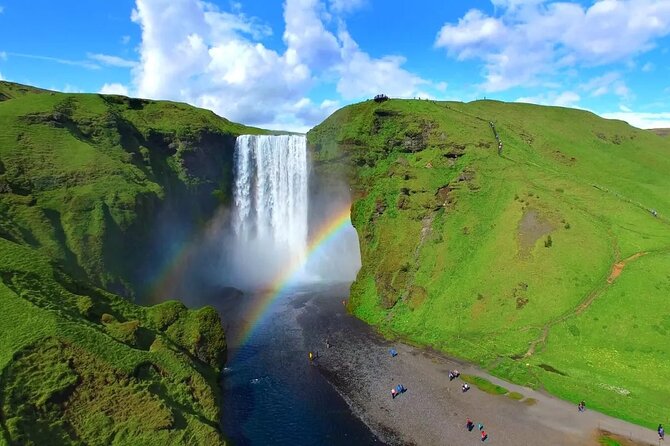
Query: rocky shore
[[434, 409]]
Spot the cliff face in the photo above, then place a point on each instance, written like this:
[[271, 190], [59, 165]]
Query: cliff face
[[85, 180], [511, 255]]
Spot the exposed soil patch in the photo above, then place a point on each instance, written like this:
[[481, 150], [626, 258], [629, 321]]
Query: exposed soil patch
[[532, 227], [618, 267], [607, 438]]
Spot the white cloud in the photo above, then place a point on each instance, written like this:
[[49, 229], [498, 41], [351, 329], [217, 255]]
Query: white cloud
[[69, 88], [564, 99], [195, 52], [1, 78], [114, 61], [642, 120], [610, 82], [648, 67], [625, 109], [3, 55], [364, 76], [125, 39], [343, 6], [2, 9], [77, 63], [114, 88], [529, 39]]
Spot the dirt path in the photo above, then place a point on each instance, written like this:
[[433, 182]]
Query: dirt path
[[617, 269], [433, 410]]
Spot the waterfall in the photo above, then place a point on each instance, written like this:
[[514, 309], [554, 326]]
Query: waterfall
[[271, 200]]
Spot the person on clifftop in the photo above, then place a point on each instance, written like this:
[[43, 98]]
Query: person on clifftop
[[661, 432]]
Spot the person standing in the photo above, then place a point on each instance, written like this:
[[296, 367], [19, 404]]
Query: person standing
[[661, 432]]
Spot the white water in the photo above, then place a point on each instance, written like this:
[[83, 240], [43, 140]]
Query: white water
[[270, 217]]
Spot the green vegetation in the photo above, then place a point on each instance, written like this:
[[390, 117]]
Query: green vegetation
[[525, 262], [83, 179], [515, 396], [485, 385]]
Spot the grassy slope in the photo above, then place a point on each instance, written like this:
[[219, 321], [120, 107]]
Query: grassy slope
[[81, 176], [447, 257]]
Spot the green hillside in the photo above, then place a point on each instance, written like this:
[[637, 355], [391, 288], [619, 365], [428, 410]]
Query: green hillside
[[83, 180], [543, 263], [85, 177]]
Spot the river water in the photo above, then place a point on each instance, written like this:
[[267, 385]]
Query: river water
[[272, 394]]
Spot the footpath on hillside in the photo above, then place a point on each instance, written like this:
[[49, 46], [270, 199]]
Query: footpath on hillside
[[433, 410]]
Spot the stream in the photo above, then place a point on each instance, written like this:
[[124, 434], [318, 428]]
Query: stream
[[272, 394]]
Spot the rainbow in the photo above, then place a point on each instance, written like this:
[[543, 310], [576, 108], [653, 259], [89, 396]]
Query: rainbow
[[320, 238], [172, 271]]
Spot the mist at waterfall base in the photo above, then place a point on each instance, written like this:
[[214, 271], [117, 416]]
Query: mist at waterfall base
[[251, 242], [278, 211], [278, 232]]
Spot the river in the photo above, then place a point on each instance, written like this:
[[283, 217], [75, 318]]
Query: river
[[272, 394]]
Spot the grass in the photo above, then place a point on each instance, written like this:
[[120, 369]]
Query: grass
[[439, 216], [82, 179], [515, 396], [81, 364], [86, 177], [485, 385]]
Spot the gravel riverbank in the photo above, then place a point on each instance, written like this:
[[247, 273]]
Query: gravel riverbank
[[433, 411]]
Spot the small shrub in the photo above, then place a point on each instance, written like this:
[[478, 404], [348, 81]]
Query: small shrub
[[548, 242], [567, 225]]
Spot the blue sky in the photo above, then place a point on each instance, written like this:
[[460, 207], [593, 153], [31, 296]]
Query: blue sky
[[288, 64]]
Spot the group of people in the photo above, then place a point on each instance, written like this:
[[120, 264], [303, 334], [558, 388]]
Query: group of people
[[469, 425], [397, 390]]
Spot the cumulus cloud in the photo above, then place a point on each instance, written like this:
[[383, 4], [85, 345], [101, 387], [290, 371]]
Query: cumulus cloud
[[364, 76], [195, 52], [526, 39], [114, 61], [114, 88], [641, 120], [1, 78]]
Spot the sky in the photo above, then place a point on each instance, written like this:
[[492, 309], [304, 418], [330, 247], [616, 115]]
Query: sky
[[289, 64]]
